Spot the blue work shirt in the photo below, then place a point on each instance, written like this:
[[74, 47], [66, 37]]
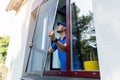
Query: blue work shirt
[[61, 54]]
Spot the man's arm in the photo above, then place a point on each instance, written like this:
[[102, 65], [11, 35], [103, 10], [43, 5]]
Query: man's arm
[[50, 51], [61, 46]]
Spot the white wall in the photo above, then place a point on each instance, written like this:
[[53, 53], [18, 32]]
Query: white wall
[[107, 23], [18, 41]]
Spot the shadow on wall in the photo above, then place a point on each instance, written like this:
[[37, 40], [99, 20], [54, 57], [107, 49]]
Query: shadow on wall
[[18, 43]]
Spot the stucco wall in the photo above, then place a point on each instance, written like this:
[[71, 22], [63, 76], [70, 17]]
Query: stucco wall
[[17, 47], [107, 23]]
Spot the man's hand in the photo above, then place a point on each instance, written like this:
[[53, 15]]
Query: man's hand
[[52, 34], [59, 44], [30, 44]]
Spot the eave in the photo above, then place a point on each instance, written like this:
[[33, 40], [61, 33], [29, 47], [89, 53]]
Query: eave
[[15, 5]]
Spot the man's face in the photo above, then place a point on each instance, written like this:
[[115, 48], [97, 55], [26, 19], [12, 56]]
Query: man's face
[[60, 28]]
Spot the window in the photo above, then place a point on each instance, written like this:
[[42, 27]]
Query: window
[[53, 60], [83, 39], [80, 34], [81, 43], [38, 53]]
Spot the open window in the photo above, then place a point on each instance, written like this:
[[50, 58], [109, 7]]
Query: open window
[[82, 58], [41, 41], [53, 62]]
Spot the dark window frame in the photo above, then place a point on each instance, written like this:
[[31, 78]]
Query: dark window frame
[[69, 72]]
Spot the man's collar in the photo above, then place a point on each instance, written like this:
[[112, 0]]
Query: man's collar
[[62, 38]]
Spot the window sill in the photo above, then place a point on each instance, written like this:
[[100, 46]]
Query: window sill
[[85, 74]]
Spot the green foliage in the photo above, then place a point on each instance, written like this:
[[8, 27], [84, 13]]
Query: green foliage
[[4, 42], [85, 31]]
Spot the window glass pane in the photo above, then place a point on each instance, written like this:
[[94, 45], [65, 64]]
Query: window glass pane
[[53, 60], [83, 39], [41, 41]]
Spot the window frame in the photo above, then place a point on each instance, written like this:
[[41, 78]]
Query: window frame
[[69, 72], [35, 15]]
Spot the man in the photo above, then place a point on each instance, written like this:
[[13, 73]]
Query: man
[[59, 44]]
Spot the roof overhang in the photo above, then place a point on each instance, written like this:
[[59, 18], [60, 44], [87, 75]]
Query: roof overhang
[[15, 5]]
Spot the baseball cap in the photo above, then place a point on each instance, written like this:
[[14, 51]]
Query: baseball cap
[[61, 23]]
